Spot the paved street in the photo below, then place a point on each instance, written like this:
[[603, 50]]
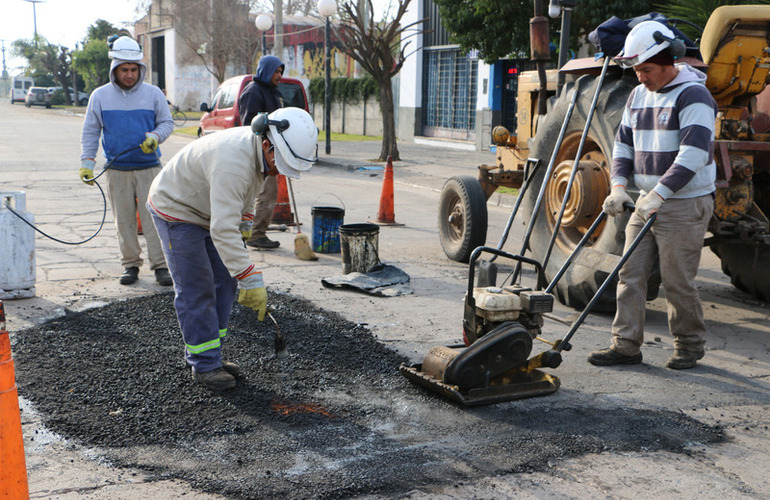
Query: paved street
[[39, 154]]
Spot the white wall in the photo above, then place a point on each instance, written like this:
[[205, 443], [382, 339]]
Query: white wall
[[410, 80]]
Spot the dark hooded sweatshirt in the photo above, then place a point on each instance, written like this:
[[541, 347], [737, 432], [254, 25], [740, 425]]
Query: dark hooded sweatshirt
[[260, 96]]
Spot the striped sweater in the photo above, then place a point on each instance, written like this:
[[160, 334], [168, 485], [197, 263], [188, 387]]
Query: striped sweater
[[666, 138]]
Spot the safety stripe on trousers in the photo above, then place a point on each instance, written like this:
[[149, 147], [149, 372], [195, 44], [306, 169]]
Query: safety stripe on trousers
[[206, 346]]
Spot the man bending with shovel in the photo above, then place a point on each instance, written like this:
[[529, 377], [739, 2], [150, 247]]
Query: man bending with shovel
[[202, 203]]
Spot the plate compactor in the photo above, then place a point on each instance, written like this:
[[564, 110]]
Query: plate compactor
[[500, 325]]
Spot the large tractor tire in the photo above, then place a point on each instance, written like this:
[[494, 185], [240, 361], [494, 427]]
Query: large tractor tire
[[591, 185], [746, 263], [462, 217], [747, 267]]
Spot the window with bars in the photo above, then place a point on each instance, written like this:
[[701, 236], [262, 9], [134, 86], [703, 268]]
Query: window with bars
[[449, 94]]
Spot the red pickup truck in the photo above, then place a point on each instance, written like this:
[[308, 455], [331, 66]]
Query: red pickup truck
[[224, 111]]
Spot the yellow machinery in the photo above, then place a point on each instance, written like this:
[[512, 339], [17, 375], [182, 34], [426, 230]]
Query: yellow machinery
[[735, 48]]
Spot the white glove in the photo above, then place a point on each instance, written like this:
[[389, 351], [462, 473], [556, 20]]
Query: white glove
[[613, 204], [648, 205]]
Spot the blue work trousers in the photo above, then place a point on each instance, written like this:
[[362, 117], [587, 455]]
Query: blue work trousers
[[204, 290]]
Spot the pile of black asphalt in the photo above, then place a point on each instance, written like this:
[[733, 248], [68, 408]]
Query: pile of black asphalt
[[334, 419]]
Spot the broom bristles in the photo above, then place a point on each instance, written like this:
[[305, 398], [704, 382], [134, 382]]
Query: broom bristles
[[302, 248]]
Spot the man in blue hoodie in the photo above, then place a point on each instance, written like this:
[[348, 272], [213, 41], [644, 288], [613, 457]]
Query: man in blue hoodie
[[132, 118], [665, 145], [262, 96]]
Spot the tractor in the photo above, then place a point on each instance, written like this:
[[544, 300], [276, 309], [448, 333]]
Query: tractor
[[735, 50]]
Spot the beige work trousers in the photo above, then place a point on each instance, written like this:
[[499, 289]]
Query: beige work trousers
[[128, 193], [677, 238], [263, 209]]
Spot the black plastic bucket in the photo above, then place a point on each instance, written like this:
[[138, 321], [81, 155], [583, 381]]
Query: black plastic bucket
[[359, 247]]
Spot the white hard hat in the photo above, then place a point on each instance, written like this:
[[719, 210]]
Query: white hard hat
[[644, 41], [125, 48], [295, 137]]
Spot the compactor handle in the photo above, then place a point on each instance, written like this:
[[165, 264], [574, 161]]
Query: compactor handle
[[519, 258]]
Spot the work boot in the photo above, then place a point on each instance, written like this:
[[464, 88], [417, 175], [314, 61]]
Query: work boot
[[163, 277], [263, 242], [683, 359], [232, 368], [129, 276], [609, 357], [217, 380]]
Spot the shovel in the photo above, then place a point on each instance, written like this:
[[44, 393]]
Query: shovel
[[280, 345]]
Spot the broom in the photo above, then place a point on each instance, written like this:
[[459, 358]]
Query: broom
[[301, 245]]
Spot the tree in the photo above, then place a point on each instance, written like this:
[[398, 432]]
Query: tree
[[697, 12], [92, 61], [375, 46], [290, 7], [43, 56], [501, 29], [220, 32]]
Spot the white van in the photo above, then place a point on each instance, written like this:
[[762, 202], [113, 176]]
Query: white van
[[19, 87]]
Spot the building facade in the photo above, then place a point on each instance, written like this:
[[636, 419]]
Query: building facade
[[179, 70], [449, 94]]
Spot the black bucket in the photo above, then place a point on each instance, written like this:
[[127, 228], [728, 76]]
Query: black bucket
[[359, 247]]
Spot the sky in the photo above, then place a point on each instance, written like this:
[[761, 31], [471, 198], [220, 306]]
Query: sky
[[64, 22], [61, 22]]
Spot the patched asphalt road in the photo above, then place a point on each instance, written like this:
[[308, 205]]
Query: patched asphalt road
[[333, 420]]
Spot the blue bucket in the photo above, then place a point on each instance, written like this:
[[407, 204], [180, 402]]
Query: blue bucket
[[326, 225]]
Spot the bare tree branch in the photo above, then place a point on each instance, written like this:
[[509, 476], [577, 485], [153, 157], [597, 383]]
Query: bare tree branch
[[376, 46], [220, 32]]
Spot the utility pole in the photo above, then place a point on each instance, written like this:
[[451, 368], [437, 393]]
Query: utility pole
[[278, 30], [34, 13], [74, 77], [5, 70], [6, 84]]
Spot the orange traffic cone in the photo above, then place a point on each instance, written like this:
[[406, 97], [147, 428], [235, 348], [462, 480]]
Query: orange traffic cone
[[138, 220], [386, 215], [13, 468], [282, 211]]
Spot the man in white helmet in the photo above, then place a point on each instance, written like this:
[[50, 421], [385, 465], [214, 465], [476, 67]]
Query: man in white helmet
[[202, 203], [132, 118], [665, 144]]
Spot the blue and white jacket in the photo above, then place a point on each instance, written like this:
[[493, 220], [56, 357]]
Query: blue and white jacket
[[122, 118], [666, 138]]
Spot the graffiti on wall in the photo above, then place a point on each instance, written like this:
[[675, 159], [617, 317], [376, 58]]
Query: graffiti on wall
[[306, 61]]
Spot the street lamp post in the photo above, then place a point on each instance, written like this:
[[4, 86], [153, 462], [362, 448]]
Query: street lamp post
[[563, 7], [264, 23], [328, 8], [34, 13]]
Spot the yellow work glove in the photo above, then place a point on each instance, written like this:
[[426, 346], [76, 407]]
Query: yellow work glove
[[613, 204], [86, 172], [150, 144], [648, 205], [254, 298], [245, 228]]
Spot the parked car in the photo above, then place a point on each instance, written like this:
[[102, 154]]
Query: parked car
[[224, 112], [82, 96], [19, 87], [38, 96]]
